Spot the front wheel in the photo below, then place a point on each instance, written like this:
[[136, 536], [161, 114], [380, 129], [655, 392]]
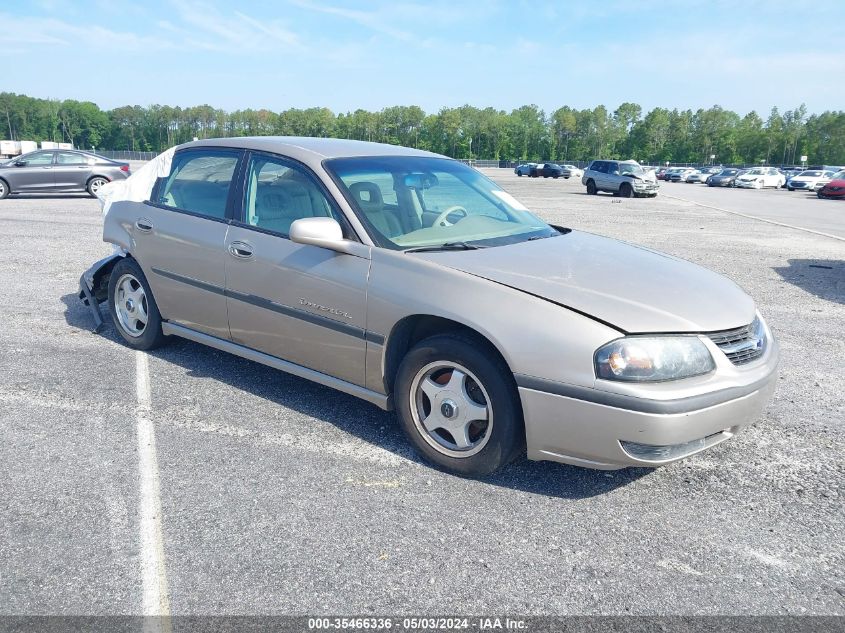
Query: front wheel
[[591, 188], [133, 308], [94, 185], [626, 191], [4, 189], [458, 405]]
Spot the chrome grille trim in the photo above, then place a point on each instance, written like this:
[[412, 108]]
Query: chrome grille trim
[[741, 345]]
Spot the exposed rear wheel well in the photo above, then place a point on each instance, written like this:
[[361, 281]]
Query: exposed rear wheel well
[[413, 329]]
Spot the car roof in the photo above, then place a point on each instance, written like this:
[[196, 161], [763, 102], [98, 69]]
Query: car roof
[[310, 149]]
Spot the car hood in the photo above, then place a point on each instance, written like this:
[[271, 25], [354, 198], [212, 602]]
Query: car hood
[[749, 176], [629, 287], [839, 182]]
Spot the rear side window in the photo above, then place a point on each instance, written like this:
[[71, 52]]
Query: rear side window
[[200, 182], [71, 158]]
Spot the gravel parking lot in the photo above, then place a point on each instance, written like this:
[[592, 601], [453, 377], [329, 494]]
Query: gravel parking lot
[[280, 496]]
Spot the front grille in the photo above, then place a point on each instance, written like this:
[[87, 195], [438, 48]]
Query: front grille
[[741, 345]]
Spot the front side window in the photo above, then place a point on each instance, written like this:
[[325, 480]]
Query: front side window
[[278, 194], [38, 159], [418, 201], [199, 182]]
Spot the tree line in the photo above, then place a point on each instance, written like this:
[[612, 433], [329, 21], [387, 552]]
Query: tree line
[[526, 133]]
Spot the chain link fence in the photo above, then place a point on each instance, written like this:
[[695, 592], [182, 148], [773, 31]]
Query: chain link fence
[[127, 155]]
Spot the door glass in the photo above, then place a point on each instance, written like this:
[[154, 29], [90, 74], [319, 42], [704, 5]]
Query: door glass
[[71, 158], [41, 158], [278, 194], [199, 182]]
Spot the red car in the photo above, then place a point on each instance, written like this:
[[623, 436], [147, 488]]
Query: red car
[[661, 173], [835, 189]]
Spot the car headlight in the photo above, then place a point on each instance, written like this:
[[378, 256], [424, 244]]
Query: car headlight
[[653, 358]]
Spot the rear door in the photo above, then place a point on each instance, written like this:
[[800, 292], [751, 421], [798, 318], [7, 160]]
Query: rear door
[[301, 303], [180, 238], [72, 170], [36, 174]]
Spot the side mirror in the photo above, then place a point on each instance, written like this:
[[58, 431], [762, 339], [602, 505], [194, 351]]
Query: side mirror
[[325, 233], [20, 163]]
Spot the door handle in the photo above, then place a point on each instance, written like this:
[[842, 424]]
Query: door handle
[[144, 225], [241, 250]]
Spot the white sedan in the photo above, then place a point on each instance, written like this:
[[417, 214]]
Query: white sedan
[[760, 177], [571, 171], [810, 180]]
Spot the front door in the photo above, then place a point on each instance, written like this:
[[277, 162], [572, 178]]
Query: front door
[[180, 239], [300, 303], [35, 174]]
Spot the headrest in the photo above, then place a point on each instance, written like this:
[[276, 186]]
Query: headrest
[[368, 196]]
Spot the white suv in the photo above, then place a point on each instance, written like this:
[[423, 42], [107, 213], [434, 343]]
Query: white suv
[[625, 178]]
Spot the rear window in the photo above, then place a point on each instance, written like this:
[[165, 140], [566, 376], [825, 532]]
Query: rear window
[[199, 182]]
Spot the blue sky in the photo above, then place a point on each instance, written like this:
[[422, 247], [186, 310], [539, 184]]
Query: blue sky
[[744, 56]]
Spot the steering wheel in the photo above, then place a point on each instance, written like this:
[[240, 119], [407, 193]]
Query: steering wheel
[[441, 219]]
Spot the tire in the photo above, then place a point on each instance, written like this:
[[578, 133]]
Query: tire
[[519, 173], [464, 375], [591, 188], [556, 176], [4, 189], [790, 188], [127, 284], [626, 190], [94, 185]]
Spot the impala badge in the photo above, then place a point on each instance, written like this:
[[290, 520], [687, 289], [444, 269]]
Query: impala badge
[[317, 306]]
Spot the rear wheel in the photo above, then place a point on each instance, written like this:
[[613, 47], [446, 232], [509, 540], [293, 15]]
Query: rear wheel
[[4, 189], [626, 191], [458, 405], [133, 308], [94, 185], [591, 188]]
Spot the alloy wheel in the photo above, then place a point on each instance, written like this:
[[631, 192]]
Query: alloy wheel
[[451, 409], [130, 305]]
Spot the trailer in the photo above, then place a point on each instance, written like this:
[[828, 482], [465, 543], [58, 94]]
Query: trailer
[[9, 149], [49, 145], [28, 146]]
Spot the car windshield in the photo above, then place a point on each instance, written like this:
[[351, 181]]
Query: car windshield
[[418, 201], [728, 172], [840, 175], [812, 173], [632, 169]]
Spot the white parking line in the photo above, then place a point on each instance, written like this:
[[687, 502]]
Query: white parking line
[[754, 217], [156, 601]]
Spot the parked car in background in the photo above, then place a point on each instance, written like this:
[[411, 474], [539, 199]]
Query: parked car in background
[[571, 171], [622, 177], [59, 171], [835, 189], [701, 175], [760, 177], [789, 172], [810, 180], [724, 178], [414, 282], [681, 174], [546, 170], [524, 169], [660, 173]]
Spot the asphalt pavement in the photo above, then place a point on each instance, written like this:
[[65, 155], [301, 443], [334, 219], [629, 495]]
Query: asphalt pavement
[[281, 496]]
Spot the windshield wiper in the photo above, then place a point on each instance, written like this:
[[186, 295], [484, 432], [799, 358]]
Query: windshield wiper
[[448, 246]]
